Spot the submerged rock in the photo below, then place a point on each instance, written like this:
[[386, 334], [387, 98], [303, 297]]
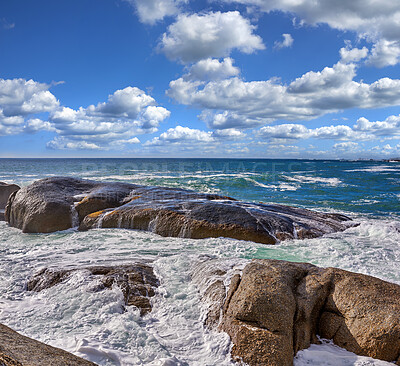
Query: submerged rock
[[18, 350], [5, 191], [137, 281], [55, 203], [275, 308]]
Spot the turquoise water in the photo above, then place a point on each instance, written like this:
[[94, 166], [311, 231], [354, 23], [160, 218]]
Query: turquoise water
[[94, 325]]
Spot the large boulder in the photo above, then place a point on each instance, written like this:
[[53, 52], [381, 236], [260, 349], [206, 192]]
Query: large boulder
[[18, 350], [273, 309], [5, 191], [47, 205], [60, 203], [137, 282]]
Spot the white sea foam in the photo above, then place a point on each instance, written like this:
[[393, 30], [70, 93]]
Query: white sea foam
[[313, 180], [94, 324], [377, 169], [327, 354]]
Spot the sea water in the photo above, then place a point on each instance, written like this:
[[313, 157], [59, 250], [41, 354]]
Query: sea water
[[96, 326]]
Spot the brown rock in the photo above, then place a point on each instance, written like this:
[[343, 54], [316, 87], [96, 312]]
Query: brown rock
[[276, 308], [18, 350], [51, 204], [137, 281]]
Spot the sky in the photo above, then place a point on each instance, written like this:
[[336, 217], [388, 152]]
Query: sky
[[187, 78]]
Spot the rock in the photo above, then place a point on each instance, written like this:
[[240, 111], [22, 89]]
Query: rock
[[275, 308], [5, 191], [18, 350], [51, 204], [137, 281], [47, 205]]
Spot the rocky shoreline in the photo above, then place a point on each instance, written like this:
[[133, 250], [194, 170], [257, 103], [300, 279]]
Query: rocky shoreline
[[60, 203], [271, 309]]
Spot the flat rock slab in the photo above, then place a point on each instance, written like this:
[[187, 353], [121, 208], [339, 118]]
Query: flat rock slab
[[137, 282], [18, 350], [273, 309], [54, 204]]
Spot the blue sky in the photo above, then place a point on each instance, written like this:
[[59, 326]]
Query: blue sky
[[185, 78]]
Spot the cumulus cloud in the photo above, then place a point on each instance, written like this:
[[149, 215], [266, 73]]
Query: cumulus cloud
[[21, 99], [60, 143], [362, 130], [366, 17], [384, 53], [349, 54], [376, 21], [199, 36], [286, 42], [212, 69], [348, 146], [235, 103], [228, 134], [151, 11], [181, 135], [127, 112]]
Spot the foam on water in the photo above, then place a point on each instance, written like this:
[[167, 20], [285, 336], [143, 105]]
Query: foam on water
[[327, 354], [313, 180], [94, 324]]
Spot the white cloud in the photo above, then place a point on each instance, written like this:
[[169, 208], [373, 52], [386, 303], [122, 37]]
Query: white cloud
[[127, 112], [212, 69], [181, 135], [370, 18], [229, 134], [285, 131], [363, 130], [199, 36], [349, 54], [36, 124], [385, 53], [151, 11], [60, 143], [235, 103], [348, 146], [287, 41], [20, 99]]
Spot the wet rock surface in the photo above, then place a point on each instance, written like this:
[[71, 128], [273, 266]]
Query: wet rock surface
[[54, 204], [5, 191], [274, 308], [18, 350], [137, 282]]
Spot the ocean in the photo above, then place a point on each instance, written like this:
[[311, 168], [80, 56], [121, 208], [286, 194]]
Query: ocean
[[95, 326]]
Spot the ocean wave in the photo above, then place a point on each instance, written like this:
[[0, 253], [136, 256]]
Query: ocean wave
[[313, 180], [377, 169]]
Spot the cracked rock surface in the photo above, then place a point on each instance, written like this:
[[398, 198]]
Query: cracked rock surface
[[273, 309]]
